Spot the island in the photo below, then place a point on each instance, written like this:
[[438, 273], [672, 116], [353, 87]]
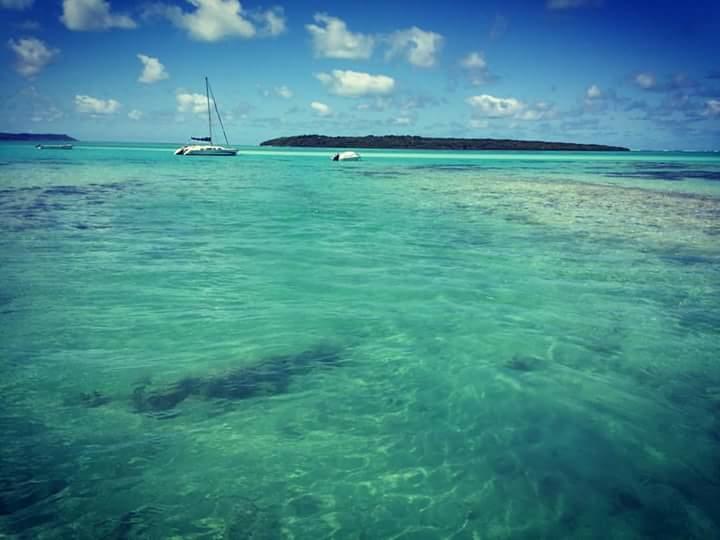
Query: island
[[36, 137], [407, 142]]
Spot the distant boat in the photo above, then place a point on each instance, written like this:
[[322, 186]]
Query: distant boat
[[54, 146], [346, 156], [208, 149]]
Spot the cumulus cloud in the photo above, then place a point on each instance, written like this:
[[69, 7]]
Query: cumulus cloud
[[418, 46], [283, 92], [213, 20], [16, 4], [495, 107], [354, 84], [273, 21], [135, 114], [320, 108], [593, 92], [491, 107], [32, 55], [91, 105], [153, 70], [332, 39], [474, 60], [539, 111], [475, 68], [86, 15], [645, 80], [194, 103], [712, 107]]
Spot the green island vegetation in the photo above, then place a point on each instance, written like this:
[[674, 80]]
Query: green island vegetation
[[433, 143]]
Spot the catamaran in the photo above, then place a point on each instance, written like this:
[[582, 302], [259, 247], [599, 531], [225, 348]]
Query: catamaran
[[208, 149]]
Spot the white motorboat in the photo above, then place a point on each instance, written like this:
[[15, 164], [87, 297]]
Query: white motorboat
[[346, 156], [208, 149]]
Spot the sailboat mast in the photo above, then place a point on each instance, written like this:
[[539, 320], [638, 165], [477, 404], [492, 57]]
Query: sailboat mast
[[207, 96]]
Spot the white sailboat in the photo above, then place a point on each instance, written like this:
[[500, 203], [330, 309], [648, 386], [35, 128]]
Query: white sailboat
[[208, 149]]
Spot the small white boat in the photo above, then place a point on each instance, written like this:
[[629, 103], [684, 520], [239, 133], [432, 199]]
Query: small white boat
[[54, 146], [208, 149], [346, 156]]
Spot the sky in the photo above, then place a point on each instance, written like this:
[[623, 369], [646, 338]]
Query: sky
[[641, 74]]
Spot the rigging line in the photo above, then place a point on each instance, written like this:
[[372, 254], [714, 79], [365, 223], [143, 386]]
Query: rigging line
[[218, 115], [207, 96]]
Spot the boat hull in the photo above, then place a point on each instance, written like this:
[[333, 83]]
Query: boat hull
[[205, 150], [54, 146], [346, 156]]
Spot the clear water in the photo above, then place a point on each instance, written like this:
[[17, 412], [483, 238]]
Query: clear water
[[417, 345]]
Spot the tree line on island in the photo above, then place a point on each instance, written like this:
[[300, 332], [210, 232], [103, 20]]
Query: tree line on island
[[433, 143]]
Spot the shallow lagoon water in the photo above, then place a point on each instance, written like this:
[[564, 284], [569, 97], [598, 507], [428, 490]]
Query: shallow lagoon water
[[416, 345]]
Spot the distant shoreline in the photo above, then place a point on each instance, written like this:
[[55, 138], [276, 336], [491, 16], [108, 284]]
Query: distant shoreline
[[36, 137], [406, 142]]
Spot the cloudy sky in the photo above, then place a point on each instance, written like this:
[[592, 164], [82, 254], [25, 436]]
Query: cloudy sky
[[644, 74]]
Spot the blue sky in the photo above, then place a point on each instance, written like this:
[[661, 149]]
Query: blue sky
[[644, 74]]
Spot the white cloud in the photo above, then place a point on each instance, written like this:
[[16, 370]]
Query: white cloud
[[135, 114], [320, 108], [332, 39], [593, 92], [474, 60], [495, 107], [645, 80], [540, 111], [16, 4], [273, 21], [570, 4], [418, 46], [475, 67], [402, 121], [153, 70], [194, 103], [32, 55], [491, 107], [91, 105], [353, 83], [712, 107], [212, 20], [86, 15], [283, 92]]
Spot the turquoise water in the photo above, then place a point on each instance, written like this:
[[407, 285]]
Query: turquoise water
[[418, 345]]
